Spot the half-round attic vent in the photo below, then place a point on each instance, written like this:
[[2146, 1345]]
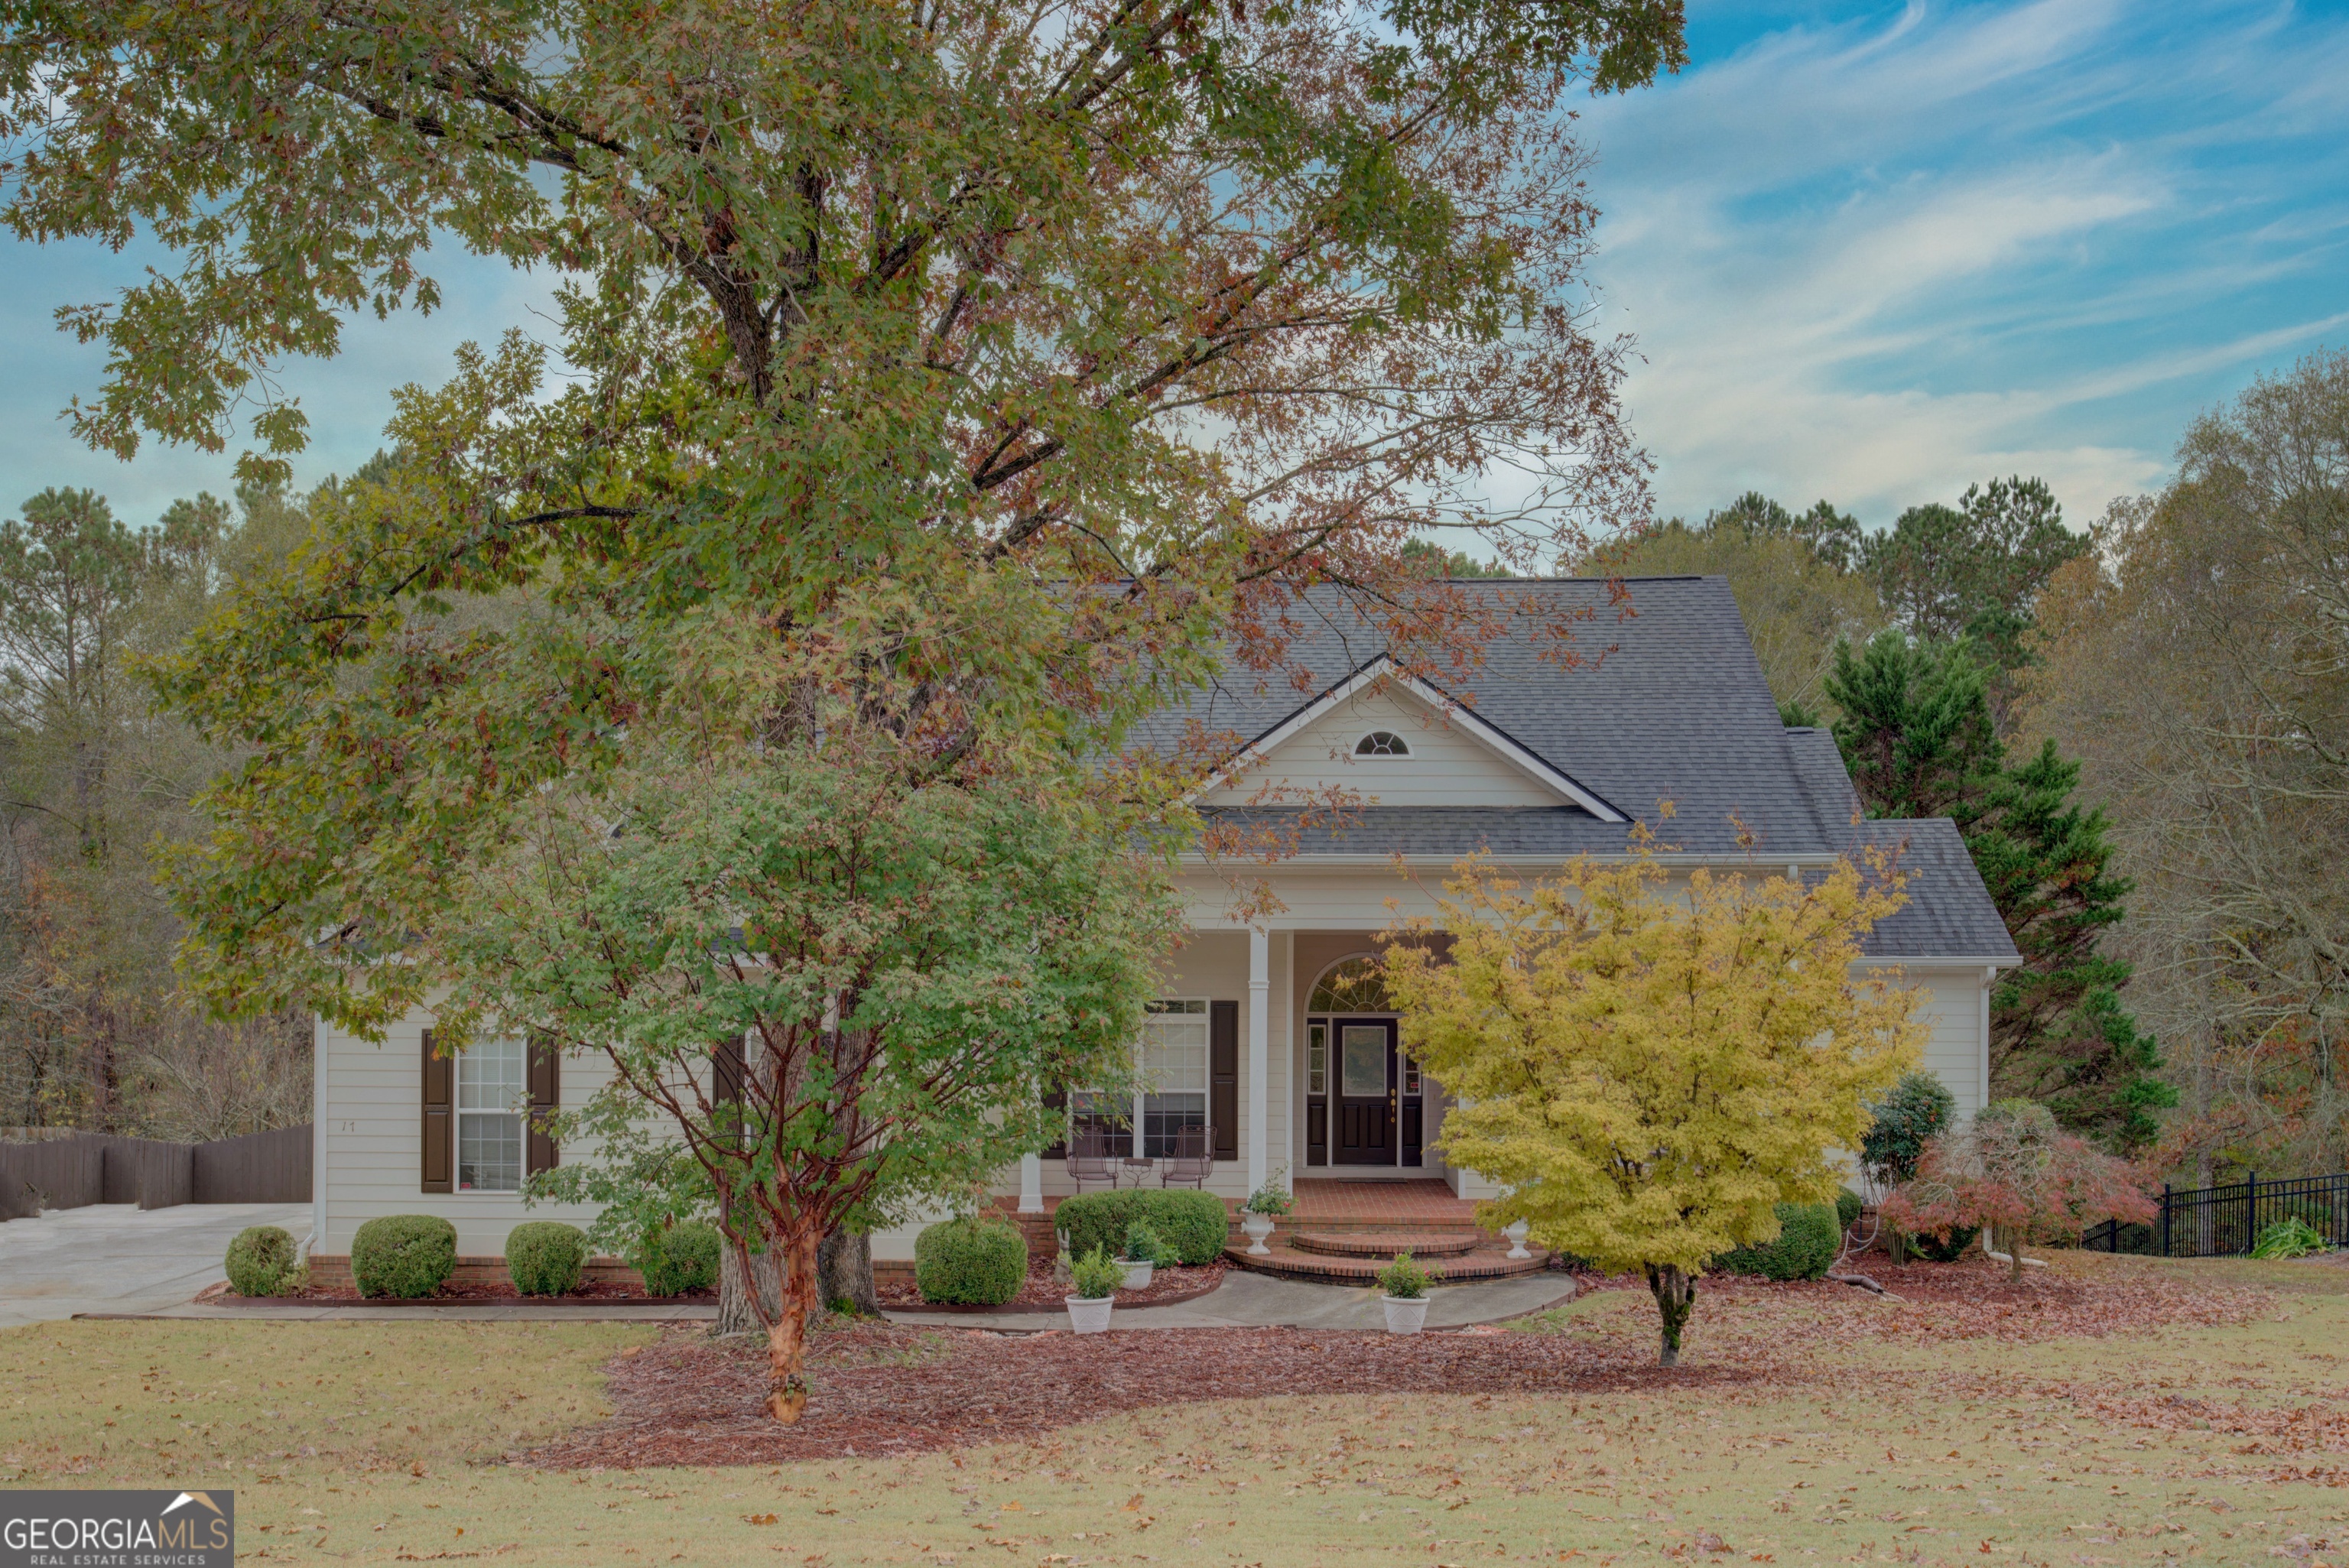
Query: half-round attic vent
[[1382, 743]]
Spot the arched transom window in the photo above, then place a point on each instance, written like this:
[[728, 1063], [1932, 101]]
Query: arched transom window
[[1382, 743], [1357, 985]]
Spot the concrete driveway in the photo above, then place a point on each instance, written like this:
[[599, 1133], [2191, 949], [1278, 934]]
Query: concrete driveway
[[112, 1257]]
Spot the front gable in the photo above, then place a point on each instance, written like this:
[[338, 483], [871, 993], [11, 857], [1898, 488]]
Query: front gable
[[1448, 755]]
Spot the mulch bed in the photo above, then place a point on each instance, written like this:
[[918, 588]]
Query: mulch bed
[[886, 1389], [1038, 1292], [483, 1293]]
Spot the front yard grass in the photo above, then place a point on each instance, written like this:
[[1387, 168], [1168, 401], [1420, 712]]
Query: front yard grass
[[374, 1442]]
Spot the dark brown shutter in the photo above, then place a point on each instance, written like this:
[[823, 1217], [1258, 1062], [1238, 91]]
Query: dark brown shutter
[[727, 1065], [1224, 1077], [539, 1151], [1057, 1102], [440, 1120]]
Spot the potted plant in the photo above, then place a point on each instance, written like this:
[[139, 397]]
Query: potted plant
[[1144, 1253], [1405, 1284], [1096, 1277], [1263, 1207]]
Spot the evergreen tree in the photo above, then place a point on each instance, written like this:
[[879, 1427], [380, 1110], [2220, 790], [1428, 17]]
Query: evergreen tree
[[1917, 735]]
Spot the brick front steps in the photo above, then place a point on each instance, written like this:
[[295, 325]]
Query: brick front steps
[[1383, 1246], [1486, 1259]]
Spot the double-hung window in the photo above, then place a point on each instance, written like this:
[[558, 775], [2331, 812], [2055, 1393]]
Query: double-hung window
[[1170, 1090], [492, 1091]]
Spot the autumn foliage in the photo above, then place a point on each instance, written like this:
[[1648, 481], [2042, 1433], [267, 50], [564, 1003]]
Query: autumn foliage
[[2013, 1171], [1649, 1068]]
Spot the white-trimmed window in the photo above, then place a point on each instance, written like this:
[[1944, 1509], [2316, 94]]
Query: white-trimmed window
[[1170, 1090], [1382, 743], [493, 1088]]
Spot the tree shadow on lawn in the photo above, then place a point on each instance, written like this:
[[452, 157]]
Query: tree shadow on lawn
[[883, 1388]]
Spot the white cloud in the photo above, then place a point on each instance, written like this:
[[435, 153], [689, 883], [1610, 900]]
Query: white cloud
[[1878, 263]]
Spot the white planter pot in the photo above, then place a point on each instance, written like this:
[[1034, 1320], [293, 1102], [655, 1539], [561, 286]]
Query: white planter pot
[[1256, 1227], [1405, 1314], [1089, 1316], [1137, 1275], [1516, 1230]]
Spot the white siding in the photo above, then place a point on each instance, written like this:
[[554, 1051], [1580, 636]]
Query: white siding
[[1446, 766], [371, 1106]]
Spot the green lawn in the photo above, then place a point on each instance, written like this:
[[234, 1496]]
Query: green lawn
[[384, 1442]]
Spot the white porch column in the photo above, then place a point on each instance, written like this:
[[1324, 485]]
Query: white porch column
[[1032, 1184], [1259, 1049]]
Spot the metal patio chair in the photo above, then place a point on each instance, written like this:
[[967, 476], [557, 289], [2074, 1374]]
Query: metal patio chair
[[1088, 1159], [1193, 1159]]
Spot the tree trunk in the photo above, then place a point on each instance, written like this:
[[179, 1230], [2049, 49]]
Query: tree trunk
[[736, 1312], [787, 1386], [843, 1268], [1675, 1295]]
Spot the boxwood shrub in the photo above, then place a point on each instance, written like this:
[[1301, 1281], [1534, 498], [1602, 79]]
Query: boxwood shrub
[[260, 1261], [1847, 1208], [1193, 1225], [404, 1255], [971, 1262], [681, 1258], [543, 1257], [1808, 1241]]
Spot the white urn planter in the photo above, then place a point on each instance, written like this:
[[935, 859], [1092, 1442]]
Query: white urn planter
[[1137, 1275], [1516, 1230], [1256, 1227], [1405, 1313], [1089, 1316]]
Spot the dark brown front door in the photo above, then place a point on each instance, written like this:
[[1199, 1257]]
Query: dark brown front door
[[1366, 1090]]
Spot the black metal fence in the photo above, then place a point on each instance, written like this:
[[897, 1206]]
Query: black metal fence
[[2226, 1221]]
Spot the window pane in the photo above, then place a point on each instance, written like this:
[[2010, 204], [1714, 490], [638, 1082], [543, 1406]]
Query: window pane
[[1410, 1075], [489, 1152], [1174, 1052], [1362, 1060], [1316, 1059], [1162, 1114], [1111, 1115], [490, 1076]]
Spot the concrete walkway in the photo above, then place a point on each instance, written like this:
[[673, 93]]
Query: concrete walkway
[[488, 1312], [1264, 1300], [114, 1258]]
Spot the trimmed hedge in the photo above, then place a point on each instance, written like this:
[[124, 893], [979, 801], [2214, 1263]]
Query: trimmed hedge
[[971, 1262], [260, 1261], [1193, 1225], [543, 1257], [1808, 1241], [404, 1255], [681, 1258], [1847, 1208]]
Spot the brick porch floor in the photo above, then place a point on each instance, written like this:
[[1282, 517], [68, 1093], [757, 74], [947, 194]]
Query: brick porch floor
[[1397, 1204]]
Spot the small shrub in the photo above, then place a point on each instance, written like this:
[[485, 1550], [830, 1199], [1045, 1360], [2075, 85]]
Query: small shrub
[[971, 1262], [260, 1261], [1947, 1247], [1848, 1207], [1142, 1246], [543, 1257], [1808, 1241], [679, 1258], [1096, 1275], [1196, 1225], [403, 1256], [1403, 1279], [2291, 1238]]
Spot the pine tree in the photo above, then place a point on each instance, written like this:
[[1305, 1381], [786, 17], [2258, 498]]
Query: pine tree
[[1917, 734]]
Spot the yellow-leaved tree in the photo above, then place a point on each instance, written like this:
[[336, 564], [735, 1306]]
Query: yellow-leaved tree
[[1649, 1069]]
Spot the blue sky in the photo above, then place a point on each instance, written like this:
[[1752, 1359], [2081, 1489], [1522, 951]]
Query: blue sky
[[1868, 252]]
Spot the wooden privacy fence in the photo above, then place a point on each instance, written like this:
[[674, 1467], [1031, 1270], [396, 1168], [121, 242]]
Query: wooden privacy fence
[[96, 1168], [2226, 1221]]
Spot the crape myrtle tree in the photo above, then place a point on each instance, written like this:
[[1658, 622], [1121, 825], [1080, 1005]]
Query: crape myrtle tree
[[902, 964], [1650, 1070], [1009, 369]]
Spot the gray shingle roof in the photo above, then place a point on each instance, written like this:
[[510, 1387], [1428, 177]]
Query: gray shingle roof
[[1668, 703]]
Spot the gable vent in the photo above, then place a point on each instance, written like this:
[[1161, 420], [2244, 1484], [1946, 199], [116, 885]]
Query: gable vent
[[1382, 743]]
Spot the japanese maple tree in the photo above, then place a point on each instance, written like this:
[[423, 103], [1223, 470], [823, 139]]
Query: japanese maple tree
[[2015, 1173]]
